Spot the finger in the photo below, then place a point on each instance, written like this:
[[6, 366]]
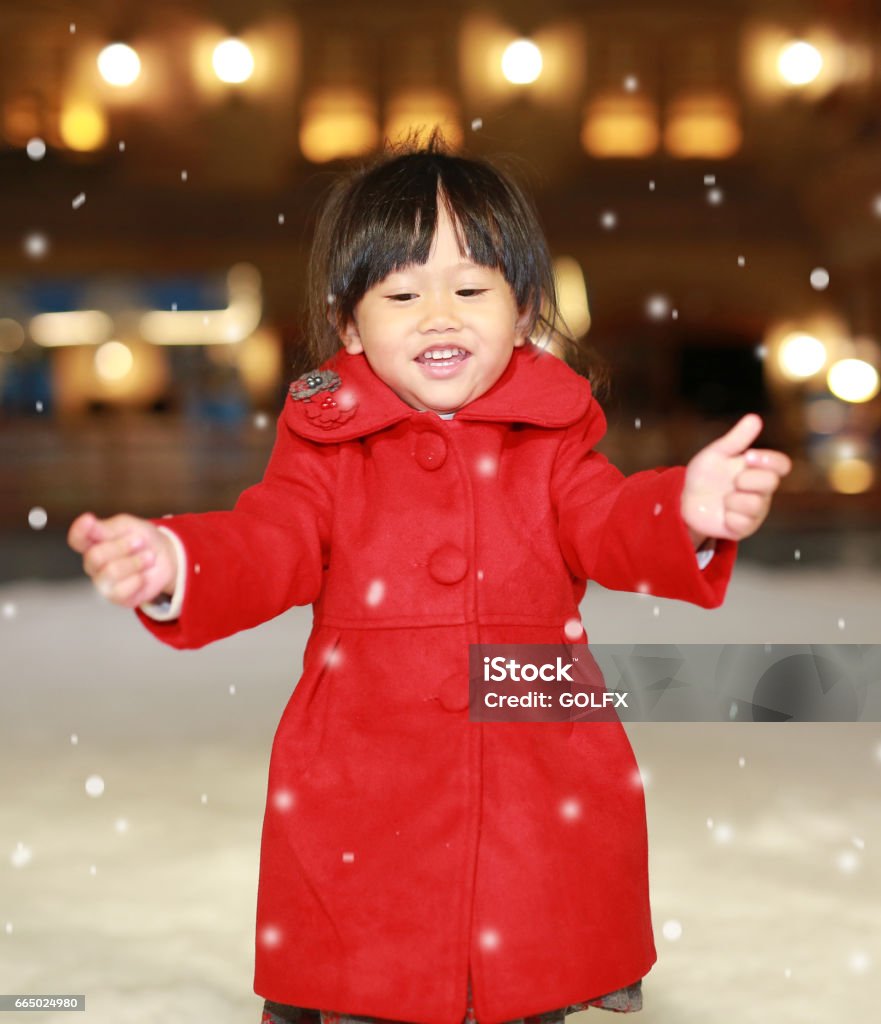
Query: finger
[[767, 458], [78, 534], [757, 481], [117, 572], [107, 552], [111, 528], [120, 591], [752, 505], [740, 436], [740, 524]]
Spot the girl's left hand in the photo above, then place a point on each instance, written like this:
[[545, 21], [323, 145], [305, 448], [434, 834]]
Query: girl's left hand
[[728, 485]]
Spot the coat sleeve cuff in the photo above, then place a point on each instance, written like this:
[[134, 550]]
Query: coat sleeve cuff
[[646, 546], [165, 608]]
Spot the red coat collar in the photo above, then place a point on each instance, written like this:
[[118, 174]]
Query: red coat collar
[[347, 400]]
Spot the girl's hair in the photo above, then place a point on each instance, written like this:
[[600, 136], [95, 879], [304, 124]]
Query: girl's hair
[[382, 217]]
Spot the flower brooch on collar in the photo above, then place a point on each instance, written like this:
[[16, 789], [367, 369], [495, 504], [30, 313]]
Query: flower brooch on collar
[[328, 412]]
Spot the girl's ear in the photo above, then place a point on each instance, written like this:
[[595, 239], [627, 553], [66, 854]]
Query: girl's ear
[[521, 327], [351, 339]]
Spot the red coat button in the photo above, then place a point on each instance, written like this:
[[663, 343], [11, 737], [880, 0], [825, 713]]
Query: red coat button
[[448, 564], [431, 450], [454, 693]]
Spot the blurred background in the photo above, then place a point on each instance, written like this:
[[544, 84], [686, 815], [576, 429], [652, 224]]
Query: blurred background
[[709, 176]]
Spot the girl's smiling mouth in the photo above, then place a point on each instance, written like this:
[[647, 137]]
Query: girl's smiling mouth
[[442, 361]]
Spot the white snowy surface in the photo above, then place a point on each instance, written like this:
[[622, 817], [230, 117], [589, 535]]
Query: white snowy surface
[[143, 898]]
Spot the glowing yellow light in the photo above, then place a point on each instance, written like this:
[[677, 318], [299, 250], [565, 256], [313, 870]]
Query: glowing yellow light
[[521, 62], [74, 327], [572, 295], [232, 61], [113, 360], [851, 476], [702, 125], [83, 127], [801, 355], [853, 380], [620, 126], [119, 65], [799, 63], [338, 123]]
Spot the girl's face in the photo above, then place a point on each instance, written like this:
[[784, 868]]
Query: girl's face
[[438, 334]]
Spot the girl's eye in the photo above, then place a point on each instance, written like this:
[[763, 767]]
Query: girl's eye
[[471, 291], [402, 297]]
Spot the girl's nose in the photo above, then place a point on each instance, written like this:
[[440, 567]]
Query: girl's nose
[[439, 314]]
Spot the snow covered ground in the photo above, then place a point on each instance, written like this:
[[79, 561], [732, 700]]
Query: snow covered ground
[[765, 875]]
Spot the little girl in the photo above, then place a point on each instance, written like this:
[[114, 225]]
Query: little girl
[[434, 484]]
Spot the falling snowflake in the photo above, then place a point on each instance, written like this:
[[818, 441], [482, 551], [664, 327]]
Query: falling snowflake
[[859, 961], [609, 219], [671, 930], [232, 689], [631, 83], [348, 857], [642, 777], [281, 218], [36, 245], [847, 862], [709, 179], [183, 175], [859, 843], [642, 587], [487, 465], [204, 798], [282, 799], [674, 314], [477, 124], [651, 186], [819, 279], [375, 593], [761, 351], [656, 611], [489, 939], [571, 808], [94, 785], [74, 739], [841, 623], [21, 856], [93, 870], [38, 405], [797, 554], [723, 833], [741, 761], [121, 146], [656, 511], [573, 629], [715, 196], [657, 307], [36, 148], [9, 610], [741, 261], [261, 421], [72, 28], [787, 972], [78, 200], [121, 825], [638, 423], [37, 518], [709, 822], [8, 927]]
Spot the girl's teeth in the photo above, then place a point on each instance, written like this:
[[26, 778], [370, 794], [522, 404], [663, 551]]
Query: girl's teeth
[[447, 353]]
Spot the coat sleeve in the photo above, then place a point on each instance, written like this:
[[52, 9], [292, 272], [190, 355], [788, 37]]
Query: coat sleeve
[[627, 532], [268, 553]]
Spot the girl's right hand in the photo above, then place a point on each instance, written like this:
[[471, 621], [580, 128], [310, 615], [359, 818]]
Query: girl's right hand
[[129, 560]]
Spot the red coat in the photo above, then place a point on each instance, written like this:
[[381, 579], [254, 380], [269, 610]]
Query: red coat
[[403, 844]]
